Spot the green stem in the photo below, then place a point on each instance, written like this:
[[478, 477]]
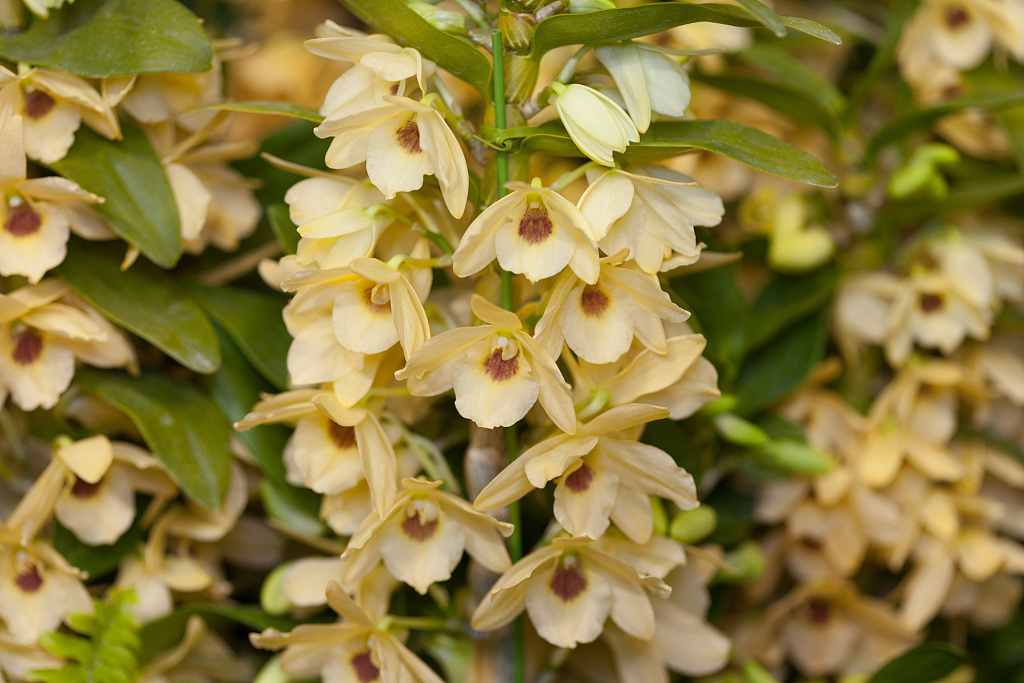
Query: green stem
[[567, 179], [511, 437]]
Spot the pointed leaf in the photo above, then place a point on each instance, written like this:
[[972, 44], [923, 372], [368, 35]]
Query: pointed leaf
[[287, 233], [766, 16], [101, 38], [737, 141], [253, 319], [143, 300], [180, 425], [924, 664], [782, 98], [272, 108], [139, 204], [606, 26]]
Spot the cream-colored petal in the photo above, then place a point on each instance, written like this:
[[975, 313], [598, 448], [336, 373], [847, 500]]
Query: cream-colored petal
[[88, 458], [926, 590], [434, 364], [568, 605], [584, 498], [624, 417], [493, 315], [555, 393], [491, 391], [633, 514], [420, 554], [360, 324], [100, 513], [650, 469], [598, 321], [13, 165]]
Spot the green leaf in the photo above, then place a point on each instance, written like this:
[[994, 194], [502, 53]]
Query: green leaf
[[253, 319], [777, 61], [782, 98], [766, 16], [715, 299], [139, 204], [898, 14], [452, 53], [901, 128], [281, 223], [924, 664], [273, 108], [98, 560], [992, 81], [236, 388], [165, 633], [737, 141], [781, 365], [101, 38], [143, 300], [785, 300], [180, 425], [611, 25]]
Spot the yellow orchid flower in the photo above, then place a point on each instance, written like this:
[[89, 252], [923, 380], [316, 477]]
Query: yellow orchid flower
[[498, 371], [595, 123], [534, 231]]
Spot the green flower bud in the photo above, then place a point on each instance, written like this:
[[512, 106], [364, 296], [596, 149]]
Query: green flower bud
[[660, 517], [693, 526], [272, 597], [755, 673], [748, 561], [739, 431], [796, 457]]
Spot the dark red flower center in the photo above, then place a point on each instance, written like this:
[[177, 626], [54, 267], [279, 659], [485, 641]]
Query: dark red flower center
[[956, 17], [364, 668], [22, 220], [28, 346], [408, 135], [568, 581], [417, 530], [499, 369], [343, 437], [594, 301], [38, 104], [580, 479], [929, 302], [535, 226], [29, 580], [819, 611], [83, 489]]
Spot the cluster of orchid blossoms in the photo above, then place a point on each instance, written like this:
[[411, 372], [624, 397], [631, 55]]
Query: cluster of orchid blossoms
[[44, 328], [372, 345]]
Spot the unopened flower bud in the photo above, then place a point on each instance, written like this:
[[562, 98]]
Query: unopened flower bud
[[747, 561], [595, 123], [755, 673], [693, 526], [660, 517], [272, 597], [796, 457], [739, 431]]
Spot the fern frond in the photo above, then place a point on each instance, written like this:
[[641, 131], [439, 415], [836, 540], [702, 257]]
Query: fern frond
[[105, 649]]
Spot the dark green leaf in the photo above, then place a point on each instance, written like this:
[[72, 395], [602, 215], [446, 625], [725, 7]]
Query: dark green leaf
[[451, 53], [714, 298], [281, 223], [164, 633], [899, 12], [993, 440], [924, 664], [624, 23], [181, 426], [143, 300], [101, 38], [781, 365], [253, 319], [785, 300], [774, 59], [98, 560], [139, 204], [728, 138], [899, 129], [236, 388], [273, 108], [992, 81], [735, 511], [784, 99]]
